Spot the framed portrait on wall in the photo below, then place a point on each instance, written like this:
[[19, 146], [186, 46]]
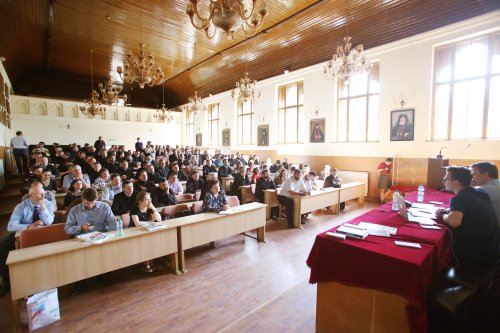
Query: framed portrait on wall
[[198, 140], [317, 130], [263, 135], [226, 137], [402, 124]]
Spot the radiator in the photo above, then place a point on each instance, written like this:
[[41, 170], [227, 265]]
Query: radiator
[[354, 176]]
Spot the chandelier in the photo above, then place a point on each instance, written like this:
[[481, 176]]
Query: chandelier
[[141, 69], [228, 15], [195, 103], [245, 88], [163, 115], [347, 62], [111, 92], [92, 106]]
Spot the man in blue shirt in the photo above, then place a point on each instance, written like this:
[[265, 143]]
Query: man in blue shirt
[[90, 215], [20, 146], [33, 212]]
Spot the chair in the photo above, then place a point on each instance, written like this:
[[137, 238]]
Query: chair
[[43, 235], [59, 216], [475, 309], [173, 210], [197, 207], [233, 200], [186, 197], [275, 203]]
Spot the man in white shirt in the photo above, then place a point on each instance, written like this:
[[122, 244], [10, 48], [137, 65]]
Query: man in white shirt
[[75, 173], [20, 148], [485, 176], [294, 185]]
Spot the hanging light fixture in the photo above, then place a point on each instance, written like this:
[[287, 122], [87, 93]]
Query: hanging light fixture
[[92, 106], [228, 15], [163, 115], [195, 103], [347, 62], [245, 88], [141, 68]]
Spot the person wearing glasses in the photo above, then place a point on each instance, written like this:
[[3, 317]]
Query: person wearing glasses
[[471, 218], [485, 176]]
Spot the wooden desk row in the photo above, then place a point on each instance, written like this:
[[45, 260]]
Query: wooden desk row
[[65, 262], [329, 197]]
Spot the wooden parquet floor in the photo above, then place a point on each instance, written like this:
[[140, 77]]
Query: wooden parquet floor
[[240, 286]]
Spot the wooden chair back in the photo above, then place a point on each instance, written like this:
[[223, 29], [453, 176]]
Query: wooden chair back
[[43, 235]]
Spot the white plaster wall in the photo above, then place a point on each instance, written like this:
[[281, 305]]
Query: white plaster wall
[[405, 72], [58, 121]]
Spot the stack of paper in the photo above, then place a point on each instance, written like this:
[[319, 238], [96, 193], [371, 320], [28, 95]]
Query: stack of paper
[[95, 237], [378, 230], [152, 226]]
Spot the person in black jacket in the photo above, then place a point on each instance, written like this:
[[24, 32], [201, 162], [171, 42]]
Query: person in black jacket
[[194, 183], [225, 170], [125, 199], [240, 179], [162, 195]]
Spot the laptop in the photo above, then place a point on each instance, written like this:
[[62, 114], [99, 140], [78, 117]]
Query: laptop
[[403, 212]]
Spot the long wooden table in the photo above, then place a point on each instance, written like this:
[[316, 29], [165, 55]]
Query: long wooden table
[[204, 228], [226, 183], [43, 267], [328, 197], [318, 199]]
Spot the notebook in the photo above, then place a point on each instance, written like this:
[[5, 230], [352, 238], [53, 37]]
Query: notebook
[[403, 212]]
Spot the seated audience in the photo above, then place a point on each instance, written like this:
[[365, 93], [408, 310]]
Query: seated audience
[[255, 175], [215, 200], [75, 173], [207, 168], [174, 183], [472, 219], [44, 163], [125, 171], [49, 183], [125, 199], [35, 176], [485, 176], [90, 215], [266, 183], [143, 210], [111, 189], [74, 192], [143, 184], [280, 177], [310, 181], [102, 180], [275, 167], [225, 170], [334, 181], [163, 195], [194, 183], [293, 185], [285, 163], [33, 212], [325, 172], [49, 195], [161, 169], [240, 179], [180, 174]]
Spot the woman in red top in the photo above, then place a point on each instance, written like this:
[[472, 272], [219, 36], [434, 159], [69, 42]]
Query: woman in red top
[[384, 180]]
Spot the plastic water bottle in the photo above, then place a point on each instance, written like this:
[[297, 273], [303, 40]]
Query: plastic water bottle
[[119, 227], [395, 201], [420, 196]]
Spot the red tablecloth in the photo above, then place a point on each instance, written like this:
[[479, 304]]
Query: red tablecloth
[[404, 188], [377, 263]]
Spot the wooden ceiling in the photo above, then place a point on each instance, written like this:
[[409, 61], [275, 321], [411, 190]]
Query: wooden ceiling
[[46, 43]]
